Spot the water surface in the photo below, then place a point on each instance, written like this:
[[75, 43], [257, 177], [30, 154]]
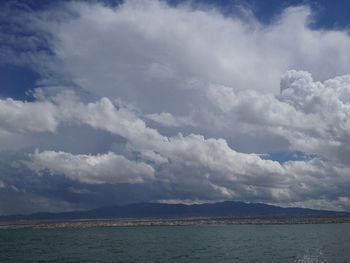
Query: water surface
[[205, 243]]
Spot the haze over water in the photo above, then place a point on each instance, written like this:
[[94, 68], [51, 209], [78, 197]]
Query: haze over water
[[225, 243]]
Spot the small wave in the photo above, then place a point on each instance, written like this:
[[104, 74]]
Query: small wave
[[315, 257]]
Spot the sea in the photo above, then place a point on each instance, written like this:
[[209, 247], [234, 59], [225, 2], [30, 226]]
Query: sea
[[202, 243]]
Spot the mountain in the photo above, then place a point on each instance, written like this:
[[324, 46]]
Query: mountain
[[160, 210]]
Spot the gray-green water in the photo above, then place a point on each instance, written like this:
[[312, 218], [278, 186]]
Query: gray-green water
[[225, 243]]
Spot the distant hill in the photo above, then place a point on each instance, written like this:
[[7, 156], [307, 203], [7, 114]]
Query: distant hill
[[159, 210]]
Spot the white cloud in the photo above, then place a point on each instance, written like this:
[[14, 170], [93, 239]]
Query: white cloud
[[105, 168], [261, 109], [313, 116], [27, 116], [330, 102], [168, 119], [175, 48]]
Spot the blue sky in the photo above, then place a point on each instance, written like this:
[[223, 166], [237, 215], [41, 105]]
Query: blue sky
[[327, 14], [106, 102]]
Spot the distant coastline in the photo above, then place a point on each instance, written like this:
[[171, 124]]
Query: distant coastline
[[88, 223]]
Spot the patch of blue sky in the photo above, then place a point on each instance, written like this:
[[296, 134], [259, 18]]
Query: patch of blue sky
[[16, 81], [326, 14]]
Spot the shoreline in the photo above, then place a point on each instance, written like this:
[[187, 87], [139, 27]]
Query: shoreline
[[124, 222]]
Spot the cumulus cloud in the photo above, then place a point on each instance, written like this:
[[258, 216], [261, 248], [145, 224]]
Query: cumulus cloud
[[192, 163], [27, 116], [188, 163], [330, 102], [180, 48], [105, 168], [313, 116], [260, 109]]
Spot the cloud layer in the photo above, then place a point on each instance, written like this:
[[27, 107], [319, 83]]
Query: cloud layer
[[186, 105]]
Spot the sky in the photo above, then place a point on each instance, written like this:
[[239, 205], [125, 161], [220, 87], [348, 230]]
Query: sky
[[116, 102]]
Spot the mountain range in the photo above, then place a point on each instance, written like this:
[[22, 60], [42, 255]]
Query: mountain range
[[162, 210]]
